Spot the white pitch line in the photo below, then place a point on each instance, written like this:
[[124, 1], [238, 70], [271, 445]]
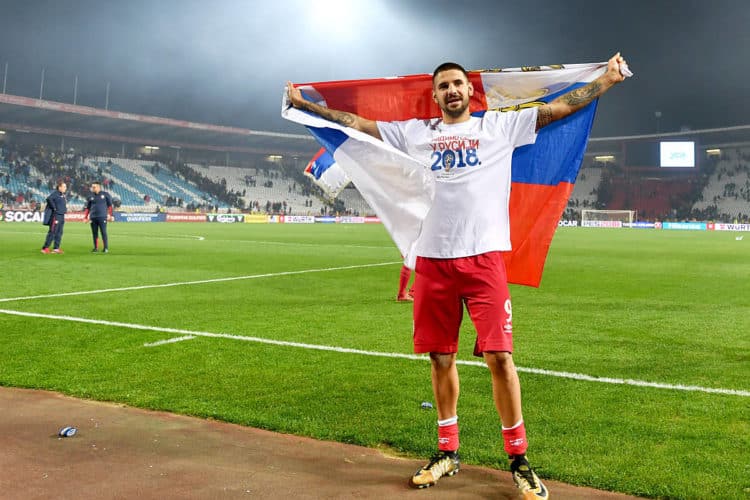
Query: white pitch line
[[169, 341], [180, 238], [286, 243], [397, 355], [197, 282], [27, 233]]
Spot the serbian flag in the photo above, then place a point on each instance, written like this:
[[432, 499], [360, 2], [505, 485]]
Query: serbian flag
[[400, 189], [326, 173]]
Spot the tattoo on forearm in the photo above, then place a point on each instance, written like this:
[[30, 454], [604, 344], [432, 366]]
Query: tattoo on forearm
[[345, 119], [583, 95], [543, 117], [342, 117]]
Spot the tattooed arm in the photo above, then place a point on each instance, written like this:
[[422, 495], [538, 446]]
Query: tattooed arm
[[356, 122], [576, 99]]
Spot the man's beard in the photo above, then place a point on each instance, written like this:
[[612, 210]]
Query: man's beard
[[457, 112]]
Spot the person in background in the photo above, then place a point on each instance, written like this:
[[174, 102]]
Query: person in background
[[54, 217], [405, 295], [98, 210]]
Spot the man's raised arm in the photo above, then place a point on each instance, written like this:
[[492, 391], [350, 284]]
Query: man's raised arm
[[576, 99], [356, 122]]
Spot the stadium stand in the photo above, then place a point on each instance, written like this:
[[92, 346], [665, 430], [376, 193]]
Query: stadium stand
[[721, 192], [354, 203], [26, 175], [208, 167], [147, 184], [258, 187], [726, 195], [142, 184], [587, 184], [655, 198], [585, 191]]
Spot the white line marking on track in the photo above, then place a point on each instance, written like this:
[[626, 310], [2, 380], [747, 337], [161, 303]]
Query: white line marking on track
[[346, 350], [198, 282], [169, 341]]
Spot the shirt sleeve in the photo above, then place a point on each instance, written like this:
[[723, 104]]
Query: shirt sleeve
[[52, 200], [519, 127], [392, 133]]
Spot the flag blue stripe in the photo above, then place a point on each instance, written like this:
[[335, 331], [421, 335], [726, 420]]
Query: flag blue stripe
[[328, 138], [557, 154], [322, 164]]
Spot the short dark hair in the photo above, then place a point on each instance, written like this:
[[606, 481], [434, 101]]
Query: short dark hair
[[97, 183], [446, 66], [60, 182]]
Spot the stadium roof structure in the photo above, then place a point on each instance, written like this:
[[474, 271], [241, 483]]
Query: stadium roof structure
[[25, 114], [736, 136]]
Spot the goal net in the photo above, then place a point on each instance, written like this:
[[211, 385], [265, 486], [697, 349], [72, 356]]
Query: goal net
[[607, 218]]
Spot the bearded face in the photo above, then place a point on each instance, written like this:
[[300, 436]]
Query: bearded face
[[452, 91]]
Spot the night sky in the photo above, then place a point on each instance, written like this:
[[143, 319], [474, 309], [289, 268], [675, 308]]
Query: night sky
[[226, 61]]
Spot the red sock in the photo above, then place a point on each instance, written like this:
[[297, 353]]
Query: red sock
[[403, 280], [448, 434], [514, 439]]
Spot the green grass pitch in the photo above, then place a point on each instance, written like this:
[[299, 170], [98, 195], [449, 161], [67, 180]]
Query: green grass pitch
[[662, 307]]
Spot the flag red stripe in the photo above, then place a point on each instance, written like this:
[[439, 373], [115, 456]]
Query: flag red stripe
[[391, 99], [534, 213]]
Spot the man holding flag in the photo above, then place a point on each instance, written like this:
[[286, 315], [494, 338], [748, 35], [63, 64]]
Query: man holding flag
[[461, 240]]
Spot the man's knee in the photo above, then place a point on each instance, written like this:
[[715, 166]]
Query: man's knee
[[499, 361], [442, 361]]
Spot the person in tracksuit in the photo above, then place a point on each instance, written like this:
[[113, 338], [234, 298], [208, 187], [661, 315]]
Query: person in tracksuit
[[55, 218], [98, 210]]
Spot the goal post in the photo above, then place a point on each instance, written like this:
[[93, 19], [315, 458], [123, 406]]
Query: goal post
[[607, 218]]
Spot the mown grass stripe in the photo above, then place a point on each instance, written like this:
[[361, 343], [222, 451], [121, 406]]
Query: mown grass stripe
[[196, 282], [346, 350]]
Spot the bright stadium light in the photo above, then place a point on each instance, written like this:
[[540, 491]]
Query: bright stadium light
[[341, 21], [333, 13], [2, 132], [605, 158], [713, 152]]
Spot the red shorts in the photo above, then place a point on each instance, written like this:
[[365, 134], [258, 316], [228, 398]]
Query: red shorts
[[441, 289]]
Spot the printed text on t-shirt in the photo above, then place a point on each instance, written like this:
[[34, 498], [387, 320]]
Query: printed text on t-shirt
[[454, 151]]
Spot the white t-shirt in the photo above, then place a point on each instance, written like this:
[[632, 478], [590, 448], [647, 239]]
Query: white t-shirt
[[471, 163]]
